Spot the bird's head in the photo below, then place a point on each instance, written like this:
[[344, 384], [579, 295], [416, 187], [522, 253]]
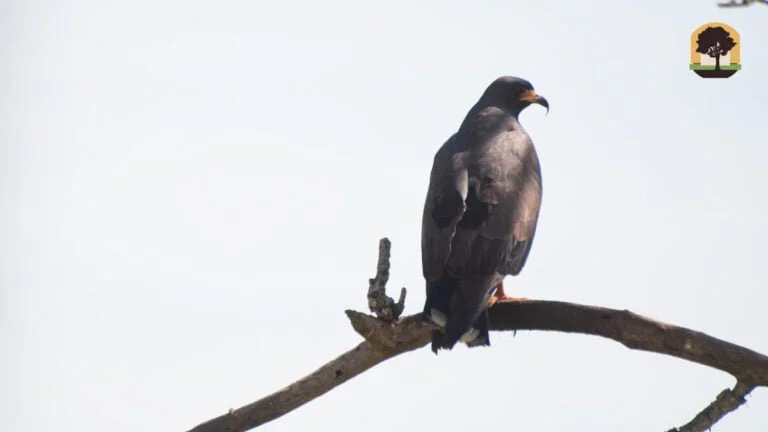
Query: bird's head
[[513, 94]]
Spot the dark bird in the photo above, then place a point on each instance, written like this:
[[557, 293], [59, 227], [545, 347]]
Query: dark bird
[[480, 213]]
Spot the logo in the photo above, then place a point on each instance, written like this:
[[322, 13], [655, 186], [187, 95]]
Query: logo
[[715, 51], [739, 3]]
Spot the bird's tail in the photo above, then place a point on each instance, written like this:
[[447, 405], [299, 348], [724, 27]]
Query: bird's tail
[[476, 335], [460, 311], [437, 308]]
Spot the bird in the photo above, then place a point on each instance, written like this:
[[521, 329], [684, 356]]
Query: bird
[[480, 213]]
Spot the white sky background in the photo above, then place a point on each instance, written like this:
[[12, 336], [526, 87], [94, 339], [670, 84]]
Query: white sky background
[[192, 193]]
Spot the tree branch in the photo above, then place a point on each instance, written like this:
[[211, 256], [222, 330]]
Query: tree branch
[[727, 401], [382, 306], [386, 338]]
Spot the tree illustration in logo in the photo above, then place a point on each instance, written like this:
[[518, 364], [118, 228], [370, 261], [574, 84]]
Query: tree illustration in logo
[[715, 42]]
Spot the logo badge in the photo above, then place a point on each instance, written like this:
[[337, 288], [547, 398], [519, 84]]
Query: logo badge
[[715, 51]]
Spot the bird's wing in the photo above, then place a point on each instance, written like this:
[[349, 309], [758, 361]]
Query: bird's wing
[[503, 200], [443, 208], [526, 216]]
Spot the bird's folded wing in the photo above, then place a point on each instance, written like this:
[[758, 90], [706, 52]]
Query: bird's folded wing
[[443, 208]]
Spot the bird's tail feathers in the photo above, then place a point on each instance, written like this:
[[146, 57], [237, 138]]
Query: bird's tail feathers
[[437, 308], [459, 310], [467, 318], [478, 335]]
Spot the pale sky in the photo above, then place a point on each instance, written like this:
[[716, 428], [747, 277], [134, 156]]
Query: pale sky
[[191, 193]]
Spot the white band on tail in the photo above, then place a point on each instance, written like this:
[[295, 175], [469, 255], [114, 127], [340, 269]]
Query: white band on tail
[[470, 335], [438, 317]]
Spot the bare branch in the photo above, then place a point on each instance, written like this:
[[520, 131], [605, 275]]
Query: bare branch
[[635, 332], [332, 374], [382, 306], [728, 400], [385, 339]]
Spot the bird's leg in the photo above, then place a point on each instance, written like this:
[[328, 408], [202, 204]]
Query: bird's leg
[[500, 295]]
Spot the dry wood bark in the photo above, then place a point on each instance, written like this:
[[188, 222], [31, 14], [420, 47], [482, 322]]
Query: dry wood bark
[[387, 335]]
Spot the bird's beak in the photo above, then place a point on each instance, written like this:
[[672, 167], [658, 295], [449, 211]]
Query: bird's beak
[[531, 96]]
